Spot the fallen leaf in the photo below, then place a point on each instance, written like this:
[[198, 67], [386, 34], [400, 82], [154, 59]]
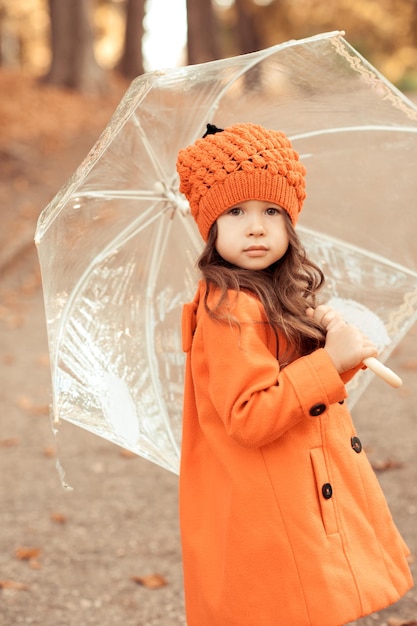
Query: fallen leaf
[[27, 554], [152, 581], [58, 518], [50, 452], [9, 443], [13, 584], [388, 464], [27, 404], [127, 454]]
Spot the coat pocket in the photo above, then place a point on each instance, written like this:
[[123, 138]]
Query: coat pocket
[[325, 493]]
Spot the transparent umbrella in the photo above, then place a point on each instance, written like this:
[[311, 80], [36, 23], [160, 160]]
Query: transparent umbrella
[[117, 245]]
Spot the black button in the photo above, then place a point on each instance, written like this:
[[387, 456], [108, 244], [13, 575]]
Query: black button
[[327, 491], [317, 409], [356, 444]]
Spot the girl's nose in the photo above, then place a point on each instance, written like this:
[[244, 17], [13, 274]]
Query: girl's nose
[[256, 228]]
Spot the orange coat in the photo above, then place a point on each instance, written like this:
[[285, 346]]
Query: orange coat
[[283, 521]]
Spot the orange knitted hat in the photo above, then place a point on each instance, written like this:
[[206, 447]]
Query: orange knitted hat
[[241, 162]]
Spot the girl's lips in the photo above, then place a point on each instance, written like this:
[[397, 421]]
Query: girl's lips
[[256, 250]]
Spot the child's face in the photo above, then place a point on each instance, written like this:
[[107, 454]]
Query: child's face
[[252, 234]]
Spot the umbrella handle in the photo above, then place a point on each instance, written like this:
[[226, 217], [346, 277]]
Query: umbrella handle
[[383, 372]]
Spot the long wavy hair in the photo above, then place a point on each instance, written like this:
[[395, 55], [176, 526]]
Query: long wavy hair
[[285, 288]]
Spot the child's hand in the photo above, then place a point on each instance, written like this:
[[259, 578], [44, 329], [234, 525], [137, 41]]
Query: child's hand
[[346, 345]]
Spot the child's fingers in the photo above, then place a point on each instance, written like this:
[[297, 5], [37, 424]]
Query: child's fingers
[[318, 313], [347, 346], [331, 319], [325, 316]]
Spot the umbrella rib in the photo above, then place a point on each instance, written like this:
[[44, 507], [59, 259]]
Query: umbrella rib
[[191, 231], [348, 129], [155, 263], [131, 194], [134, 227], [153, 157]]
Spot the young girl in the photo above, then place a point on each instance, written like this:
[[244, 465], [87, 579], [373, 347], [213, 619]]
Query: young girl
[[283, 522]]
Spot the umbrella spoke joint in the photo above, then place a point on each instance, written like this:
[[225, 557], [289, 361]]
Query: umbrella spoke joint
[[176, 199]]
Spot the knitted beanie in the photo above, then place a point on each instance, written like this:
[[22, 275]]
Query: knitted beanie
[[241, 162]]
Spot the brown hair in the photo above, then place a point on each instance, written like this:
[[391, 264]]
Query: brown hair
[[286, 289]]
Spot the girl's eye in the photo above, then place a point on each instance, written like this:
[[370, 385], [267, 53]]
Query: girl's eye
[[272, 211], [235, 211]]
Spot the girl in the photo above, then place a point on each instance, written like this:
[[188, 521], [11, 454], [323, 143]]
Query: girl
[[283, 522]]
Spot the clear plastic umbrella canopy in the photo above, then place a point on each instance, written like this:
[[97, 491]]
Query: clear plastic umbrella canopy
[[117, 245]]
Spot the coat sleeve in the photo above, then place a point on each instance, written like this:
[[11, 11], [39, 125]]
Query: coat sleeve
[[242, 379]]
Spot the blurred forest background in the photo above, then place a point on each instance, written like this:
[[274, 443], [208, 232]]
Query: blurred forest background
[[77, 44]]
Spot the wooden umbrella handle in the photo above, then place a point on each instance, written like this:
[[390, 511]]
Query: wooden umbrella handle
[[383, 372]]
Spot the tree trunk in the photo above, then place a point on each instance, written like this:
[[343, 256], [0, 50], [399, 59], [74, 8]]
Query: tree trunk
[[73, 62], [202, 40], [131, 62], [247, 32]]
